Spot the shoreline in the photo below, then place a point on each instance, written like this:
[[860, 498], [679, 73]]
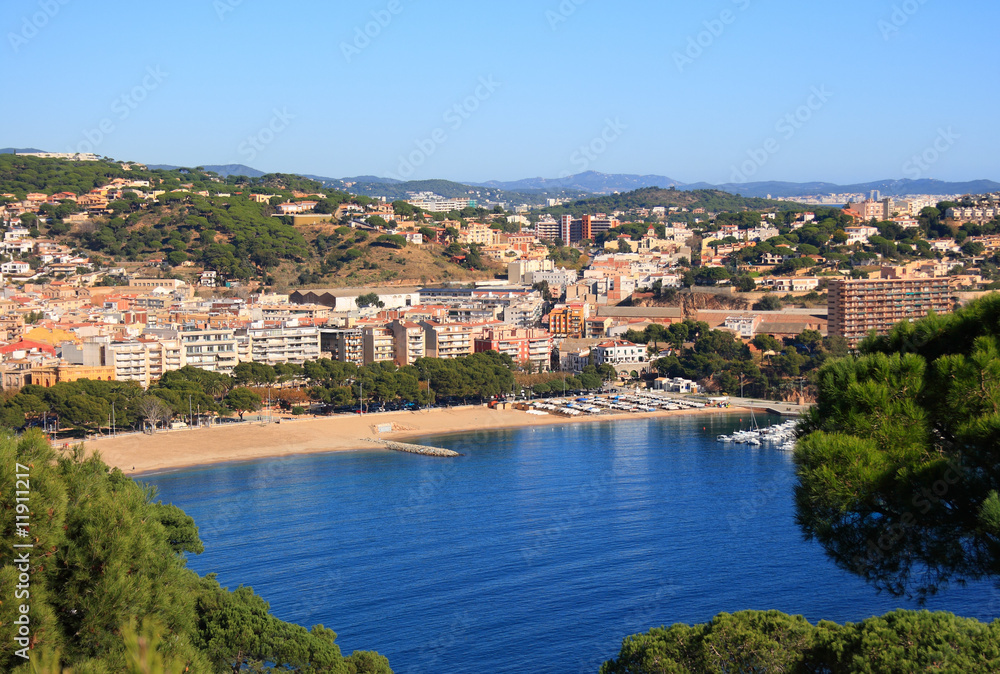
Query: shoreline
[[139, 454]]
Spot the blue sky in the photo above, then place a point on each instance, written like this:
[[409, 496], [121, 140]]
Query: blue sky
[[543, 88]]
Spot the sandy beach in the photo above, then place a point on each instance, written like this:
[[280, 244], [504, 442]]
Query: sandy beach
[[167, 450]]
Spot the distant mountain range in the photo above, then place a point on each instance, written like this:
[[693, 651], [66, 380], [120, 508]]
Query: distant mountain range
[[593, 182], [603, 183], [888, 188], [15, 150]]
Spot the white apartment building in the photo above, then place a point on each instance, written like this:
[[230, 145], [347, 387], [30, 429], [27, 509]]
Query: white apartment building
[[17, 233], [744, 326], [860, 234], [474, 313], [20, 246], [292, 208], [274, 345], [913, 206], [209, 349], [555, 277], [212, 349], [526, 314], [480, 234], [575, 360], [762, 233], [619, 352], [547, 228], [668, 281], [675, 385], [145, 361], [15, 268], [794, 284], [976, 215], [142, 360], [435, 204]]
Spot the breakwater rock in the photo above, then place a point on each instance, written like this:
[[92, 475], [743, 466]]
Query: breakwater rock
[[416, 449]]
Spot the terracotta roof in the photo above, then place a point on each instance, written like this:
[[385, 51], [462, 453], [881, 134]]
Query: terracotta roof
[[27, 345]]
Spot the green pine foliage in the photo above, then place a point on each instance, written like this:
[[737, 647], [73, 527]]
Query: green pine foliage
[[230, 234], [88, 405], [20, 175], [106, 558], [214, 224], [718, 357], [899, 463], [900, 642], [478, 376]]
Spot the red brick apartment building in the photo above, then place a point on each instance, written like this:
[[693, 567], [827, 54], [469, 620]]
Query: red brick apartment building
[[856, 307], [521, 344]]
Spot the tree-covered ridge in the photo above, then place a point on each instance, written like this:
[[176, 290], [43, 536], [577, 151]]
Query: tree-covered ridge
[[899, 463], [20, 175], [215, 224], [901, 642], [453, 190], [107, 557], [231, 235], [651, 197], [282, 183]]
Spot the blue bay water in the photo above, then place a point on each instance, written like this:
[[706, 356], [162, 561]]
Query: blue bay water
[[539, 550]]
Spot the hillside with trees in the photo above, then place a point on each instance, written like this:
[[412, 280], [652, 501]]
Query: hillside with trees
[[452, 190], [20, 175], [231, 235], [773, 369], [110, 590], [900, 642], [227, 231], [356, 257]]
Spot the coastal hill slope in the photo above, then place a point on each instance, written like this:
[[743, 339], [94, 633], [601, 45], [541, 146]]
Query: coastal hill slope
[[213, 224]]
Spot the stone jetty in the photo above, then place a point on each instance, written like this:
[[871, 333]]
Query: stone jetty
[[416, 449]]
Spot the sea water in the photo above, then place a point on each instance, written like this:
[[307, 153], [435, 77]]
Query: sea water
[[536, 551]]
